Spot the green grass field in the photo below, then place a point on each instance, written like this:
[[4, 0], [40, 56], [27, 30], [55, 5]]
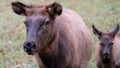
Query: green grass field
[[102, 13]]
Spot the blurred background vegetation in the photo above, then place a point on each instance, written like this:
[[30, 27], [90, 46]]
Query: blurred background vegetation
[[102, 13]]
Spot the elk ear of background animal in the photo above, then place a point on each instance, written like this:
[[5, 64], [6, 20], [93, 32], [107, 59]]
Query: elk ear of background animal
[[96, 31], [115, 30], [54, 9], [19, 8]]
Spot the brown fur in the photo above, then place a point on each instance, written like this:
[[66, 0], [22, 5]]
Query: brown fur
[[114, 52], [70, 41], [100, 64]]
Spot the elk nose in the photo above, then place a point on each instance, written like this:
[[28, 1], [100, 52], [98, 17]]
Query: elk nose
[[29, 46], [106, 56]]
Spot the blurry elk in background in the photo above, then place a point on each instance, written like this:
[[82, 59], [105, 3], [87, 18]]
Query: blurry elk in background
[[108, 48], [57, 37]]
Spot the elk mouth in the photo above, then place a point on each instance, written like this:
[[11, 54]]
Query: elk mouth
[[106, 58], [30, 53], [30, 47]]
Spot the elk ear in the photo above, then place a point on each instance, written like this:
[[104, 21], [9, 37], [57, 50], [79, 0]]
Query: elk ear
[[96, 31], [19, 8], [54, 9], [115, 30]]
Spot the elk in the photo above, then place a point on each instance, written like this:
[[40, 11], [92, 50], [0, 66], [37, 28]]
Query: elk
[[108, 48], [57, 37]]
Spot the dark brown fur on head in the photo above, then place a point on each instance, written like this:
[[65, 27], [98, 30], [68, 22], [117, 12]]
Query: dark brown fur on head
[[53, 9], [105, 46], [43, 16]]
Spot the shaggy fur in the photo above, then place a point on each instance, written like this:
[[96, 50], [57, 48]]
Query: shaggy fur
[[67, 43]]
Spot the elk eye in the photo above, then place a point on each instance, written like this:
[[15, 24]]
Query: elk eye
[[111, 43], [101, 44], [47, 22]]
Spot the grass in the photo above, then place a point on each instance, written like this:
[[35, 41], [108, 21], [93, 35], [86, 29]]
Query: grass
[[104, 14]]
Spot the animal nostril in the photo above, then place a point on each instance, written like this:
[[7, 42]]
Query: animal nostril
[[30, 45], [106, 54]]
